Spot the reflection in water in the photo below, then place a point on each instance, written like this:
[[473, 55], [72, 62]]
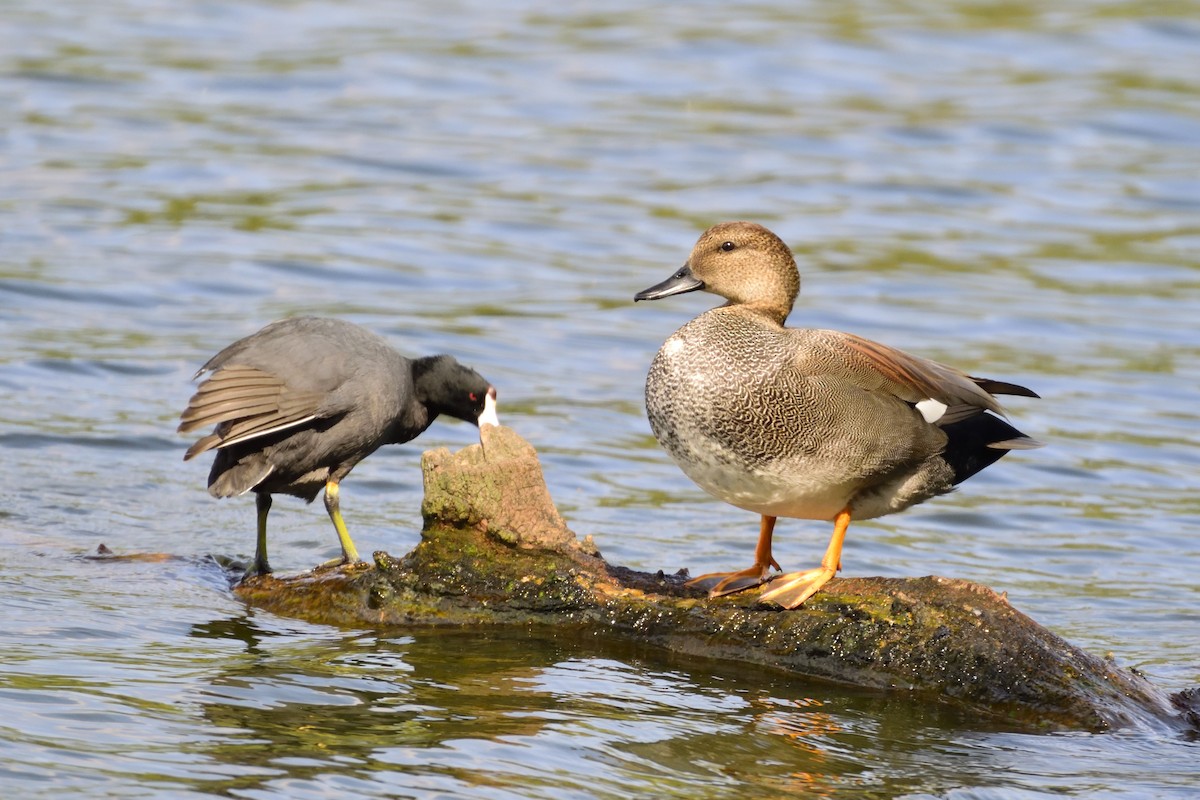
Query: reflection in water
[[806, 728], [341, 707], [462, 710]]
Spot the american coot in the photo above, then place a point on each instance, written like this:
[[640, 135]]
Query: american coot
[[803, 423], [302, 401]]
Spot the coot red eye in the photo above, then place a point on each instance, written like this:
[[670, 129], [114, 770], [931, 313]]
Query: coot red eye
[[474, 397]]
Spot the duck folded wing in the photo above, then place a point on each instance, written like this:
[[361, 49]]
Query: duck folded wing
[[245, 403], [1001, 387], [943, 395]]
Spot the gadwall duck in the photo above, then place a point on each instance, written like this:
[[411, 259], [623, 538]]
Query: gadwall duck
[[806, 423], [297, 405]]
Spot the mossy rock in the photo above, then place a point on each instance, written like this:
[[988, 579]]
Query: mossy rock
[[495, 551]]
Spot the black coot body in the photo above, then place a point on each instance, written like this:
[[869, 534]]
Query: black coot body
[[302, 401]]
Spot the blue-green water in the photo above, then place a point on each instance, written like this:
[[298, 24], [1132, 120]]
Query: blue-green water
[[1014, 189]]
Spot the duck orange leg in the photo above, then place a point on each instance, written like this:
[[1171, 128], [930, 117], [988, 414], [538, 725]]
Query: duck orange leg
[[720, 584], [794, 588]]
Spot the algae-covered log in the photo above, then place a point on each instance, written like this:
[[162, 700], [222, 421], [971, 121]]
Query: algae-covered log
[[495, 551]]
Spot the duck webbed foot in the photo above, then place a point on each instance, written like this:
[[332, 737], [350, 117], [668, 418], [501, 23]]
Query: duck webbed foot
[[719, 584], [791, 590]]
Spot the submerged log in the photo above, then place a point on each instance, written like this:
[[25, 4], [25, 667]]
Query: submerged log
[[494, 551]]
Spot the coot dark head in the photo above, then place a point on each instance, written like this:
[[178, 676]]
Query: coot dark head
[[298, 404]]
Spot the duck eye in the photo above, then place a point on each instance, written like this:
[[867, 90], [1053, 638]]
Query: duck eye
[[727, 246]]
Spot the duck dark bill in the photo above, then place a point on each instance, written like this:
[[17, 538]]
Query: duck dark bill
[[681, 282]]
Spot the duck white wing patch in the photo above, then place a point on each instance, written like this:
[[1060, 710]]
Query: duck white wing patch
[[932, 410]]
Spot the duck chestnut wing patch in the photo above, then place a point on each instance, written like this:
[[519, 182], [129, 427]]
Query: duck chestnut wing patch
[[943, 395], [244, 403]]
